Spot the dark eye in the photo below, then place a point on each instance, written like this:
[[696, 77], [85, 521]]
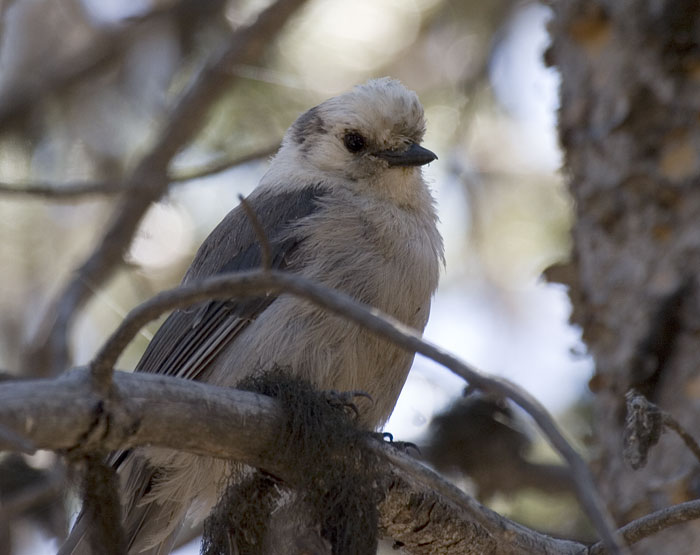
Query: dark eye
[[354, 142]]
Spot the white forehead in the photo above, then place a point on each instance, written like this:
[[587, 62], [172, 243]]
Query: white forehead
[[382, 107], [383, 111]]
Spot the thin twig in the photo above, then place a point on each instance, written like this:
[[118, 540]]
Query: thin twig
[[68, 191], [259, 233], [149, 181], [273, 282], [85, 190], [223, 164], [670, 422], [652, 523]]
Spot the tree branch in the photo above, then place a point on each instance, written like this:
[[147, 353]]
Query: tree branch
[[450, 521], [14, 441], [655, 522], [272, 282], [65, 414], [81, 190], [148, 409], [101, 52], [149, 181], [690, 442], [222, 164], [64, 192]]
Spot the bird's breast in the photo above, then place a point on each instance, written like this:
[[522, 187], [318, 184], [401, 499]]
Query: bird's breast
[[381, 257]]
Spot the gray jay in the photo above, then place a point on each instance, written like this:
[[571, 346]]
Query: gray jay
[[343, 203]]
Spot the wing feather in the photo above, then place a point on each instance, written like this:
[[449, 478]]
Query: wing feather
[[189, 339]]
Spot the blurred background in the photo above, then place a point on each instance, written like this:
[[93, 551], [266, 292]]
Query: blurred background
[[84, 86]]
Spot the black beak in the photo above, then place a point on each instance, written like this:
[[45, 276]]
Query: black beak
[[415, 155]]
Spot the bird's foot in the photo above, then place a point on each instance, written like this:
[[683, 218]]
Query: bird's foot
[[345, 400], [403, 446]]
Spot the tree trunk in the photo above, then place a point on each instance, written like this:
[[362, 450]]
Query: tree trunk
[[630, 127]]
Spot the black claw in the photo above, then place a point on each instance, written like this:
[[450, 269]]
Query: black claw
[[384, 437], [353, 408], [469, 389], [403, 446], [358, 393], [406, 445], [343, 399]]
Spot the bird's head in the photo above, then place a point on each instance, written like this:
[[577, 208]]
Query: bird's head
[[362, 134]]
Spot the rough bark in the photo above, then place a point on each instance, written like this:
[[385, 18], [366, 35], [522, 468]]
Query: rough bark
[[422, 512], [630, 128]]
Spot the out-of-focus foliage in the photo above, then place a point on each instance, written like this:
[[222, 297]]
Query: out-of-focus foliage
[[84, 85]]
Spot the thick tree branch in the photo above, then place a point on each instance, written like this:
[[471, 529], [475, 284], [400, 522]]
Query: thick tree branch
[[14, 441], [423, 520], [271, 282], [65, 413], [149, 180]]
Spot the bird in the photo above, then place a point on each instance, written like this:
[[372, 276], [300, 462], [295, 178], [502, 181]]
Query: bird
[[343, 203]]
